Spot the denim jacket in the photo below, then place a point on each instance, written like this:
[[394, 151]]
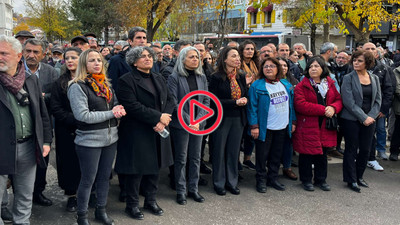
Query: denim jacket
[[258, 115]]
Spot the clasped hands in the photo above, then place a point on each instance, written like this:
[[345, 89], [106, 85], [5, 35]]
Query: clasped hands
[[118, 111], [164, 121], [329, 111], [241, 101]]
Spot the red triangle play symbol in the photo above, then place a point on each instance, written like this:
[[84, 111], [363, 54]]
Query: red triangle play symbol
[[194, 103]]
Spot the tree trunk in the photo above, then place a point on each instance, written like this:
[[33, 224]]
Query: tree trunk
[[326, 32], [313, 32], [106, 30]]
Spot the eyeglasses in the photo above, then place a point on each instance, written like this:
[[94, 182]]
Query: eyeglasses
[[270, 66]]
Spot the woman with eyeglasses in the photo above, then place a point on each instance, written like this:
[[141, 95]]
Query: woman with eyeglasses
[[271, 115], [187, 77], [142, 152], [316, 100]]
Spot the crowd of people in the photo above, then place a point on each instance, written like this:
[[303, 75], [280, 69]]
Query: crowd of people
[[120, 104]]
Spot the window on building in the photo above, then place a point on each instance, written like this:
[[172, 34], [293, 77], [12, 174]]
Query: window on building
[[253, 18], [267, 17], [237, 2]]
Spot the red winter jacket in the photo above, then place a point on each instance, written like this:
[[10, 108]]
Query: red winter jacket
[[308, 138]]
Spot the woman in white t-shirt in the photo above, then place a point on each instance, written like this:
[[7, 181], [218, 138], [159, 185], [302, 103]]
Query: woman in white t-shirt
[[270, 116]]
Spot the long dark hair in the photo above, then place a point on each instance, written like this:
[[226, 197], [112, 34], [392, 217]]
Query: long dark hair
[[241, 49], [66, 76]]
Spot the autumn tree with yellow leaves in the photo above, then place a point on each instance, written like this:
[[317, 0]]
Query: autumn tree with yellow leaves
[[361, 17], [151, 14]]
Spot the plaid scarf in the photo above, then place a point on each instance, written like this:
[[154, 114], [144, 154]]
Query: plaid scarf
[[100, 87], [236, 93], [14, 83]]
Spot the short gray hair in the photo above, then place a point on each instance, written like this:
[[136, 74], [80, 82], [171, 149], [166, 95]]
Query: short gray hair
[[135, 54], [15, 44], [132, 32], [302, 45], [326, 47], [36, 42], [121, 43], [180, 62]]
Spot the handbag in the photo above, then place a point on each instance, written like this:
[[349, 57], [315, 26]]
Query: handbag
[[331, 123]]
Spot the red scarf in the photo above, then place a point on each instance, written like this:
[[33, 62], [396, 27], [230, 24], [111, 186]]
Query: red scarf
[[14, 83], [236, 93], [100, 87]]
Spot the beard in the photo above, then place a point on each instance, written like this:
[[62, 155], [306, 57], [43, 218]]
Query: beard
[[5, 67]]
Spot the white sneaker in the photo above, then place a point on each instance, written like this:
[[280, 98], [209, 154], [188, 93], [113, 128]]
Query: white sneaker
[[375, 165]]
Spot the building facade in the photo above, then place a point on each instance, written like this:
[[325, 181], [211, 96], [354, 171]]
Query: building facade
[[6, 17]]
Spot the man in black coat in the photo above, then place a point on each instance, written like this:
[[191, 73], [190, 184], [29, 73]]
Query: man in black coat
[[33, 52], [25, 131], [137, 36], [179, 45]]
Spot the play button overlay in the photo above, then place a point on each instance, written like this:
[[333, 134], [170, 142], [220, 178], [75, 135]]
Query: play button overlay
[[196, 106]]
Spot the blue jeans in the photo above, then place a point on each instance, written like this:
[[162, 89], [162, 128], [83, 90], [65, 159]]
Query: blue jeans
[[95, 164], [381, 134]]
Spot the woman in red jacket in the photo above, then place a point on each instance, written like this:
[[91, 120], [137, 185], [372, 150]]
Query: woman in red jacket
[[315, 100]]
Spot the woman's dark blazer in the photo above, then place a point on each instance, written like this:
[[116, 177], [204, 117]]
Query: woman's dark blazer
[[220, 87], [141, 150], [352, 96]]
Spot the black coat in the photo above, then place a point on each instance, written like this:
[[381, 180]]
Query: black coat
[[140, 149], [118, 67], [68, 169], [220, 87], [41, 123]]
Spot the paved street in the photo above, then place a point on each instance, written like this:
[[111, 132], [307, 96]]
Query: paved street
[[378, 204]]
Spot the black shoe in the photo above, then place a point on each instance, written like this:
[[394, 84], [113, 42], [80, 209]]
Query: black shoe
[[261, 186], [323, 186], [135, 213], [202, 181], [204, 168], [6, 215], [233, 190], [101, 216], [220, 191], [240, 178], [196, 196], [122, 196], [92, 200], [275, 184], [72, 204], [393, 157], [354, 186], [82, 219], [181, 199], [249, 165], [362, 183], [308, 186], [154, 208], [40, 199]]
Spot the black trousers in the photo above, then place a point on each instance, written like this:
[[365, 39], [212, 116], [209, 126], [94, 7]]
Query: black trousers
[[133, 182], [269, 150], [320, 167], [40, 181], [357, 137], [395, 141]]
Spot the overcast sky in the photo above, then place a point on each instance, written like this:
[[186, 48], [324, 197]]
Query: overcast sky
[[19, 6]]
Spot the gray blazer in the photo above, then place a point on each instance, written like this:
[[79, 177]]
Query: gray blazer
[[352, 97], [179, 87], [47, 76]]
